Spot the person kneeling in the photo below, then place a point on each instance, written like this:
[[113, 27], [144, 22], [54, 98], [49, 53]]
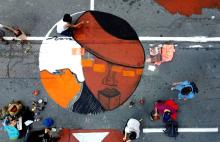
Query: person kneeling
[[132, 130]]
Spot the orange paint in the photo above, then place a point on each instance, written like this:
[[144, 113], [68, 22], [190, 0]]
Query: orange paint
[[139, 71], [128, 73], [87, 62], [99, 68], [116, 69], [78, 51], [61, 88], [188, 7]]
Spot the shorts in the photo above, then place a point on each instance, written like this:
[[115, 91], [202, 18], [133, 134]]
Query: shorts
[[68, 32]]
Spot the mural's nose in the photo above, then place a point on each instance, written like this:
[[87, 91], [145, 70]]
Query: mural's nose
[[110, 77]]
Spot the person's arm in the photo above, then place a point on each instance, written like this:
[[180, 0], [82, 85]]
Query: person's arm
[[125, 137], [78, 25], [180, 96], [8, 28], [176, 83]]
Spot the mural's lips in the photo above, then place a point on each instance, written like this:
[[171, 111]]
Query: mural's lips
[[110, 38]]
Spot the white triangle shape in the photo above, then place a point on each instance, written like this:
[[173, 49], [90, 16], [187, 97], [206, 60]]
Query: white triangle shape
[[90, 137]]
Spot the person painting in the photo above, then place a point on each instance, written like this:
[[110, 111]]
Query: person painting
[[167, 109], [19, 34], [187, 90], [65, 26], [132, 130]]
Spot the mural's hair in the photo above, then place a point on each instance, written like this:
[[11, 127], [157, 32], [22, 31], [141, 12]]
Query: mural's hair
[[87, 103]]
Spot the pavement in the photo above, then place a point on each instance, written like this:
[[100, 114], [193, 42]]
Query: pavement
[[19, 72]]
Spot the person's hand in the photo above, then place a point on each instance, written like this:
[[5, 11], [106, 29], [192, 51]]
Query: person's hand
[[46, 131], [124, 139], [13, 123]]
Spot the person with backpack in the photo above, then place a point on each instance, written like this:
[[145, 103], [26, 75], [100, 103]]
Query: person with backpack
[[132, 130], [187, 90]]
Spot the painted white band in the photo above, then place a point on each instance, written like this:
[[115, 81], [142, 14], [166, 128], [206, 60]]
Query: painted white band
[[182, 39], [92, 4], [184, 130], [178, 39]]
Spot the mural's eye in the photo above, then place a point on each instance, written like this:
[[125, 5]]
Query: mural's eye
[[111, 65]]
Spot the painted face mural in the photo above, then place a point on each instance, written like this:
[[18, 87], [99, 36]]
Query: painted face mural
[[98, 70]]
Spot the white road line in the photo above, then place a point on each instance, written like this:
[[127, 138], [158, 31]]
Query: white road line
[[181, 39], [92, 4], [183, 130], [142, 39]]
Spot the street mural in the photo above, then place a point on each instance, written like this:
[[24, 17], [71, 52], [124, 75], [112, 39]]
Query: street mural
[[95, 70], [188, 7]]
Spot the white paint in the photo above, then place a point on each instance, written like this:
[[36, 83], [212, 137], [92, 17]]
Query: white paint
[[151, 68], [195, 46], [92, 4], [183, 130], [90, 137], [56, 54]]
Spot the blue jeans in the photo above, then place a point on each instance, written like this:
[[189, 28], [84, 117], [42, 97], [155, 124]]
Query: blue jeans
[[68, 32]]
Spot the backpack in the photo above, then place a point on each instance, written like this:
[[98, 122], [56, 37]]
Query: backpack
[[195, 88], [171, 129]]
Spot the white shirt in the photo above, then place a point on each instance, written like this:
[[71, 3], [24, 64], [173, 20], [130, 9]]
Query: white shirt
[[61, 26], [133, 125]]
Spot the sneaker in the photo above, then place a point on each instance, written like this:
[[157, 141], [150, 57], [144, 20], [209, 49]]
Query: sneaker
[[27, 50], [131, 104], [172, 88]]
